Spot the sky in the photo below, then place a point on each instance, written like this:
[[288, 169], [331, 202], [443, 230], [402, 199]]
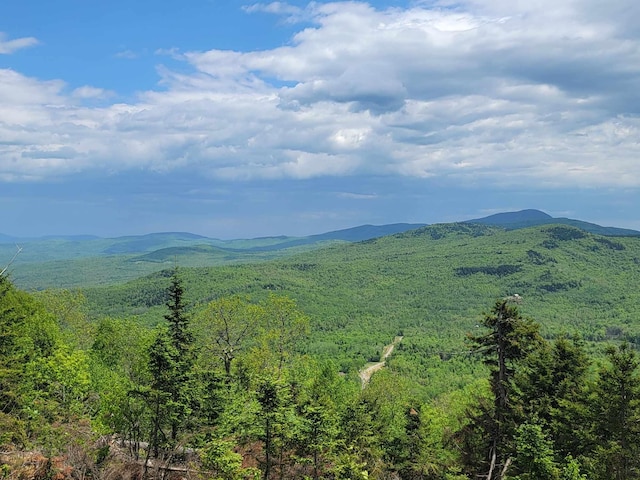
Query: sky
[[236, 119]]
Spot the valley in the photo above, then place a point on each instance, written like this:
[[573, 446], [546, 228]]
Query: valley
[[354, 346]]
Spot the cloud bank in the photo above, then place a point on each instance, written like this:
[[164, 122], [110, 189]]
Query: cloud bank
[[496, 92]]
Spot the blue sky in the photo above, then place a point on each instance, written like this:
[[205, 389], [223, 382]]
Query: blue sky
[[233, 119]]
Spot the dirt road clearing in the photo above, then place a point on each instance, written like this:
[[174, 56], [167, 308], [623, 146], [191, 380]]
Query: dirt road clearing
[[365, 373]]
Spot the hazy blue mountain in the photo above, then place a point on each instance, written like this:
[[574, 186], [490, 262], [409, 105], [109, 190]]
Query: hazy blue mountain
[[151, 242], [69, 238], [42, 261], [367, 232], [532, 218], [354, 234], [509, 219], [7, 239], [81, 261]]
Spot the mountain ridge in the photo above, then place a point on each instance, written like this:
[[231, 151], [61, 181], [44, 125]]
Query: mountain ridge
[[532, 218], [509, 220], [71, 262]]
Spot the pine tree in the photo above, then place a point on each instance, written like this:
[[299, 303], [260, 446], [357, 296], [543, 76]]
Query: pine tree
[[171, 360], [616, 410], [554, 389], [178, 320], [273, 395], [509, 340], [162, 368]]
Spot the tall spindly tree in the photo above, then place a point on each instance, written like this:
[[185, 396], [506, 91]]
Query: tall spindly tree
[[510, 338], [171, 359]]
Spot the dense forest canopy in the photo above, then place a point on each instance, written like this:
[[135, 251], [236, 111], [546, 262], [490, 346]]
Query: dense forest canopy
[[251, 371]]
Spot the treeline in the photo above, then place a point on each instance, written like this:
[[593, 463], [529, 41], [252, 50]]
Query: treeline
[[225, 392]]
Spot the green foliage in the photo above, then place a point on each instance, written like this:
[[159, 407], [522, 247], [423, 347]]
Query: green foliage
[[27, 334], [553, 388], [610, 244], [226, 326], [566, 233], [510, 339], [347, 467], [498, 270], [219, 458], [359, 296], [279, 423], [571, 470], [118, 345], [257, 364], [171, 360], [69, 308], [59, 384], [534, 454], [178, 321], [319, 394], [284, 327], [13, 432], [616, 413]]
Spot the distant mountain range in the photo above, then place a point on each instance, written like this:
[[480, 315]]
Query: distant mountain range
[[69, 261], [355, 234], [153, 241]]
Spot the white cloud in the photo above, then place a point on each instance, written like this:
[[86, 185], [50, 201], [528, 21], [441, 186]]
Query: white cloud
[[89, 92], [9, 46], [21, 91], [127, 54], [500, 92], [292, 13]]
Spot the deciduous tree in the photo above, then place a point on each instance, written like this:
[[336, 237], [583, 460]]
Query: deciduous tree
[[224, 327]]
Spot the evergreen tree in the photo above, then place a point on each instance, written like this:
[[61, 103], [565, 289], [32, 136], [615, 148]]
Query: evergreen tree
[[616, 410], [273, 395], [414, 465], [553, 388], [162, 367], [509, 340], [178, 320], [171, 359], [317, 387]]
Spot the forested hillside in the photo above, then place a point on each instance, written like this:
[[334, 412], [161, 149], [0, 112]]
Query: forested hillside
[[80, 261], [83, 261], [517, 360], [429, 284]]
